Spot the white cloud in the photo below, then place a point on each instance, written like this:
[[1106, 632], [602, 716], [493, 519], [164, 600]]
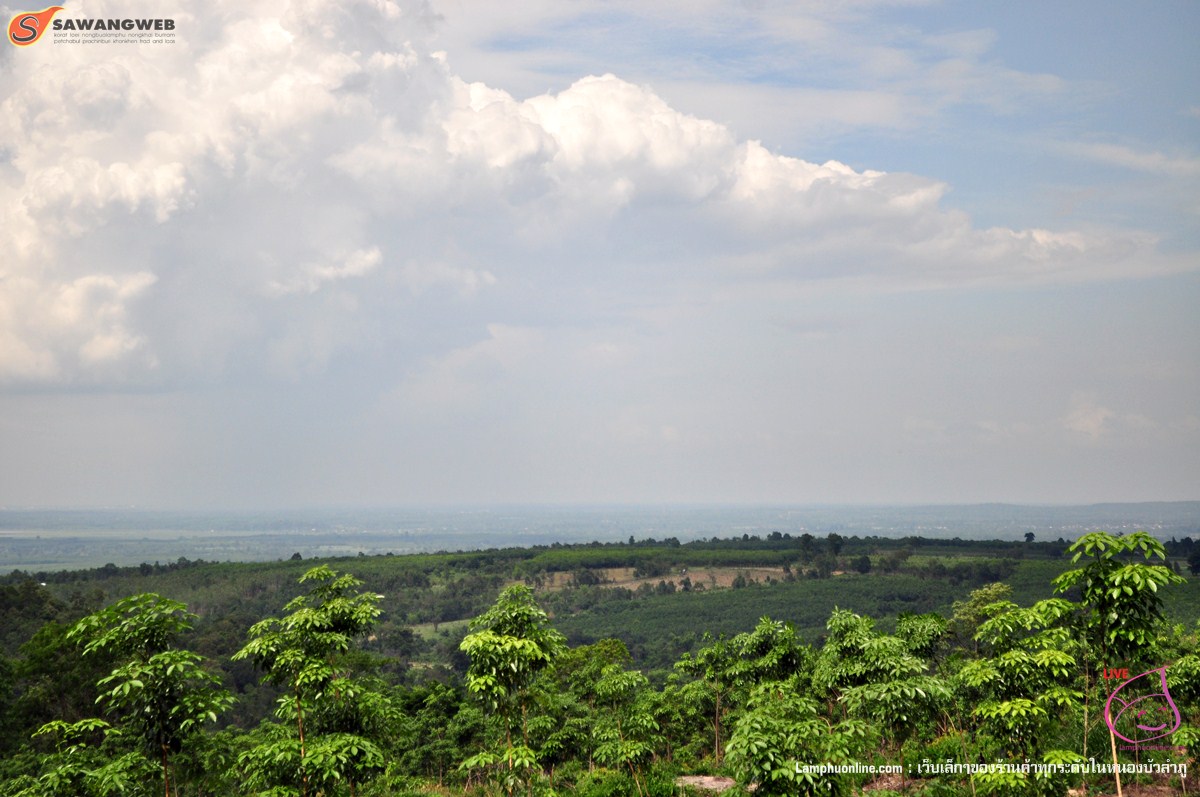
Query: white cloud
[[1094, 421], [1088, 418], [70, 330], [312, 276], [783, 72], [291, 184], [1129, 158]]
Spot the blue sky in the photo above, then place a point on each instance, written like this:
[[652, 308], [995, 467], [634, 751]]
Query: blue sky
[[379, 253], [1023, 108]]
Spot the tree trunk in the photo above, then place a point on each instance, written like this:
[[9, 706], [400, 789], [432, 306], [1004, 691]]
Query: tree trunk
[[166, 772], [1087, 697], [717, 729], [1112, 738], [300, 732]]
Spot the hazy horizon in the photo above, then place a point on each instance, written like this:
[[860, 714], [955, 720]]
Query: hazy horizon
[[71, 539]]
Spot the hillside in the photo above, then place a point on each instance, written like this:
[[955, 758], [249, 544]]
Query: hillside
[[644, 618]]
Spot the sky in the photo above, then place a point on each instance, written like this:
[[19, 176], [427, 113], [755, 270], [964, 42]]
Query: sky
[[377, 253]]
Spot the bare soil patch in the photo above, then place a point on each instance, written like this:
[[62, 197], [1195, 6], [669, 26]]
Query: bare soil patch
[[885, 782], [706, 577], [710, 783]]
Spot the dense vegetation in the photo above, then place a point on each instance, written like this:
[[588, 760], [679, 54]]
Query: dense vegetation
[[605, 669]]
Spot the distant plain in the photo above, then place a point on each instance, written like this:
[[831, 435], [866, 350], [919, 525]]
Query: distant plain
[[50, 540]]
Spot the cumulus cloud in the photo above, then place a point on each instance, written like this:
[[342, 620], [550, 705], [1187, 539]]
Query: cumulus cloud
[[311, 277], [1094, 421], [293, 181], [48, 331]]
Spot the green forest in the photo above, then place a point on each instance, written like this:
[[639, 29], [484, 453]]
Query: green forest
[[777, 665]]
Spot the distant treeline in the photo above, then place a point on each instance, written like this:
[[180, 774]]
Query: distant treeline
[[773, 549]]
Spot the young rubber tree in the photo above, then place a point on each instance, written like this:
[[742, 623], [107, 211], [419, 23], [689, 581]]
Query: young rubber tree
[[782, 744], [625, 729], [877, 676], [773, 651], [714, 667], [1122, 605], [1029, 680], [510, 644], [438, 726], [160, 694], [306, 652], [88, 761], [1124, 608], [562, 729]]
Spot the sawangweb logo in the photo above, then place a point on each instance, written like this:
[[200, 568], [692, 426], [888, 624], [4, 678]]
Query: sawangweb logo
[[27, 27]]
